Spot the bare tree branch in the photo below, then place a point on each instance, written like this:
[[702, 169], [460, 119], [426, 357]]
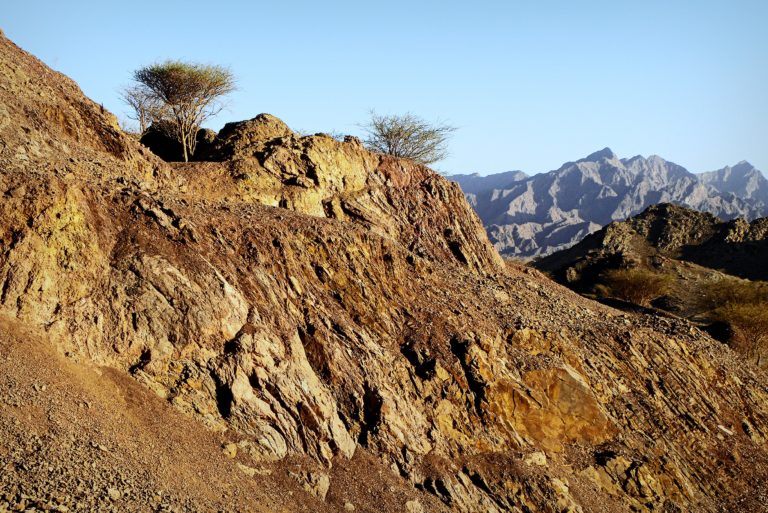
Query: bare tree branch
[[145, 105], [408, 136]]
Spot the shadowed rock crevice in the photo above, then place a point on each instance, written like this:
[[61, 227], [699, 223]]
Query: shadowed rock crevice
[[316, 353], [472, 372], [224, 399], [372, 404], [423, 364]]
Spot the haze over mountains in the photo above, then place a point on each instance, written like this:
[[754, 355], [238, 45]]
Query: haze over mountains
[[531, 216]]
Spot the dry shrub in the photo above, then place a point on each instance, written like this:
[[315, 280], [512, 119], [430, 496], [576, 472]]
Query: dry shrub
[[638, 286], [750, 321], [727, 290], [408, 136], [743, 305]]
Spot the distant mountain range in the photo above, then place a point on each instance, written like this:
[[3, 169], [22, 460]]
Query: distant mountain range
[[533, 216]]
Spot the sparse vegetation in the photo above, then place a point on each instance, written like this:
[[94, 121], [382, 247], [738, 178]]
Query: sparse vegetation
[[750, 322], [186, 94], [738, 304], [145, 107], [727, 290], [408, 136], [743, 305], [636, 285]]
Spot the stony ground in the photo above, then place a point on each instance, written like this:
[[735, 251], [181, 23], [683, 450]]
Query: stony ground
[[85, 438]]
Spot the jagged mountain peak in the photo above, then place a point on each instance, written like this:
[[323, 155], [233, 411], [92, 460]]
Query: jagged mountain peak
[[743, 164], [741, 168], [600, 155], [742, 179]]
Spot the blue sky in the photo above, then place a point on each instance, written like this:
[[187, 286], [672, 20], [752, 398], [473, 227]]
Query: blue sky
[[530, 84]]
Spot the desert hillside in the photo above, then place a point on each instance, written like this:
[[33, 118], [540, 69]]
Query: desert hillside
[[672, 232], [299, 324], [687, 263]]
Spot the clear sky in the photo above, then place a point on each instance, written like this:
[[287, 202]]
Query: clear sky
[[530, 84]]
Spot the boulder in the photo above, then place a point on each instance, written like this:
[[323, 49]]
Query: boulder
[[242, 138]]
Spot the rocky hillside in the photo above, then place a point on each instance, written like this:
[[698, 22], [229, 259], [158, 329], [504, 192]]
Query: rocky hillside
[[671, 232], [301, 325], [692, 257], [548, 212]]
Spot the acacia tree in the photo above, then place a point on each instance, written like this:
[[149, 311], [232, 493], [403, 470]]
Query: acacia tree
[[408, 136], [190, 93]]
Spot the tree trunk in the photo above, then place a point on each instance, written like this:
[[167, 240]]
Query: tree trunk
[[184, 145]]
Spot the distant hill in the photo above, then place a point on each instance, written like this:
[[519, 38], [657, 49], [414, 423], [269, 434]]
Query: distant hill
[[475, 183], [685, 262], [535, 216], [670, 232]]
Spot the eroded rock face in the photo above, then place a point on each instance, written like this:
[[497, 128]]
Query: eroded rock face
[[555, 408], [317, 300]]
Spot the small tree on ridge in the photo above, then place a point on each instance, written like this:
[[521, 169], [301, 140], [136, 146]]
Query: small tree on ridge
[[190, 93], [408, 136]]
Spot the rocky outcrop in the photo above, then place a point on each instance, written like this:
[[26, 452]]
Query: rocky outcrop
[[319, 305], [545, 213], [665, 232], [262, 161]]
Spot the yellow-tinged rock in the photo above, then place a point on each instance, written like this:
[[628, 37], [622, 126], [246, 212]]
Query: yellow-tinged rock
[[552, 407]]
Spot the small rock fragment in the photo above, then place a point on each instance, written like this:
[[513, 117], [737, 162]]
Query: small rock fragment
[[414, 507], [230, 450], [537, 458]]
